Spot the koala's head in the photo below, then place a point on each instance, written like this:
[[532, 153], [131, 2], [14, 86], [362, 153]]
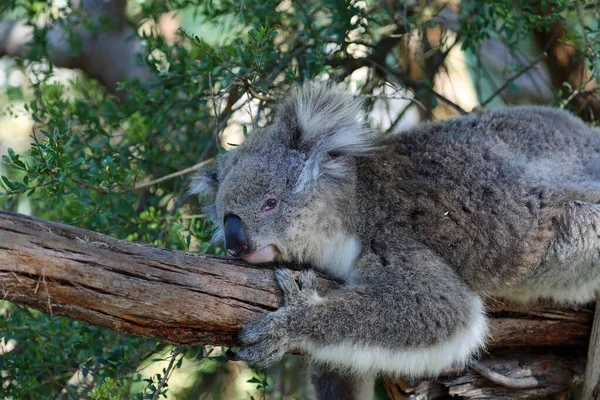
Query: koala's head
[[286, 190]]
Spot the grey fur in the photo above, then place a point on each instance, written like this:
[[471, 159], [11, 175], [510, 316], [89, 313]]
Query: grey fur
[[421, 226]]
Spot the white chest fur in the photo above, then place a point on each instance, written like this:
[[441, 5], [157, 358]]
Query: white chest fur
[[337, 254]]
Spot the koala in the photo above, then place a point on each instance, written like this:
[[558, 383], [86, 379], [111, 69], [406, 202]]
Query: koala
[[421, 227]]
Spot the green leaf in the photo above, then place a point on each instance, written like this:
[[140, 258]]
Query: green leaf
[[7, 184]]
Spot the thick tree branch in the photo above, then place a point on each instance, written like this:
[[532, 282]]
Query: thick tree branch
[[148, 291], [185, 298]]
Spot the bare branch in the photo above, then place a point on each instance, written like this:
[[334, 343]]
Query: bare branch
[[108, 55], [130, 287], [171, 176], [512, 78], [394, 97]]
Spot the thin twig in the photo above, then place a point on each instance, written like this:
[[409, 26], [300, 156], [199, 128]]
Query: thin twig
[[449, 102], [577, 93], [88, 186], [182, 195], [176, 352], [255, 94], [39, 147], [384, 97], [397, 120], [515, 76], [171, 176]]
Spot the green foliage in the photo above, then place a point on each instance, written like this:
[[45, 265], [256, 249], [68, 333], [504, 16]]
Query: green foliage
[[109, 390], [48, 351], [504, 18], [93, 150]]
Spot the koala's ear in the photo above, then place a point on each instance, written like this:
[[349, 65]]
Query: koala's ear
[[324, 121], [324, 117], [205, 183]]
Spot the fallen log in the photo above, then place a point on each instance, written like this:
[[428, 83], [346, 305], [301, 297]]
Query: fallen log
[[194, 299]]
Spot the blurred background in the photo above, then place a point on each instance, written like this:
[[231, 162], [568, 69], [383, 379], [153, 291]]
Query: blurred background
[[100, 98]]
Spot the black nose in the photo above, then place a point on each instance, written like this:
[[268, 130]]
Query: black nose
[[235, 238]]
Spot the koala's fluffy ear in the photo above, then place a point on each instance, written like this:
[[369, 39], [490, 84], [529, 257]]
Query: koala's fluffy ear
[[205, 184], [325, 121]]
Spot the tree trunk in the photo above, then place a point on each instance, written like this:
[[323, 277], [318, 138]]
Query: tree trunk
[[568, 66], [109, 54], [186, 299]]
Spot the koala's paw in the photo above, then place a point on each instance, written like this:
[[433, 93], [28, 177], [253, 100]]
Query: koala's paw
[[300, 292], [269, 338]]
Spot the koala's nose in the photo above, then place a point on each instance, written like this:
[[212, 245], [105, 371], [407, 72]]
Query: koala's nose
[[235, 238]]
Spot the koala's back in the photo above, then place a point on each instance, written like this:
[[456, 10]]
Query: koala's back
[[484, 191]]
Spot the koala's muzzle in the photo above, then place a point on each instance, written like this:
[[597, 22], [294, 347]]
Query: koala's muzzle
[[235, 238]]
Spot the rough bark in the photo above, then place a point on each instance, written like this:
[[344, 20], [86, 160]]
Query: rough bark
[[185, 298], [556, 376], [143, 290]]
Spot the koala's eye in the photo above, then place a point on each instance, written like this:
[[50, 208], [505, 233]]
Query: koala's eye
[[269, 204]]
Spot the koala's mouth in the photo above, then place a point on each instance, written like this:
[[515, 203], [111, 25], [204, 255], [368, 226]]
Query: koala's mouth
[[262, 255]]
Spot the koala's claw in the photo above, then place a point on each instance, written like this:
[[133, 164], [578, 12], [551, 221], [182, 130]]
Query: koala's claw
[[262, 354], [287, 283], [265, 340], [259, 330]]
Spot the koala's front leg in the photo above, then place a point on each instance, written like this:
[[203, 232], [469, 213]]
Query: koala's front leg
[[268, 339], [410, 315]]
